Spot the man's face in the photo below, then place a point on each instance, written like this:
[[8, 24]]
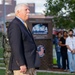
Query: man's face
[[70, 33], [24, 13]]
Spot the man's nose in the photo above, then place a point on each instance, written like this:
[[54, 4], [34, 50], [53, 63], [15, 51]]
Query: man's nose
[[28, 11]]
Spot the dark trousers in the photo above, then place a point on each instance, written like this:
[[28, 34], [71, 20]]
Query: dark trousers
[[65, 63]]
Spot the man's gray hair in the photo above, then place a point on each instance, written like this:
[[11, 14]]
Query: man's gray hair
[[19, 6]]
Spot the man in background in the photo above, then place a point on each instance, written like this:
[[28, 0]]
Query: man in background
[[63, 49], [70, 42]]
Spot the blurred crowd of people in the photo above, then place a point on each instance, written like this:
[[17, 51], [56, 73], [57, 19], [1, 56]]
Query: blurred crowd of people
[[65, 50]]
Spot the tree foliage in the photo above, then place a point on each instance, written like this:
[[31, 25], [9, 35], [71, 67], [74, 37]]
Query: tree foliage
[[63, 12]]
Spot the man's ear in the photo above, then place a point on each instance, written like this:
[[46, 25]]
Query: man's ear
[[18, 11]]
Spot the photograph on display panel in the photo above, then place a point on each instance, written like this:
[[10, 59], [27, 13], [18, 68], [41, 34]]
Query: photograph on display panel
[[40, 28]]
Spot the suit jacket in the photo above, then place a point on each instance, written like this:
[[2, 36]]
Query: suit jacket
[[23, 47]]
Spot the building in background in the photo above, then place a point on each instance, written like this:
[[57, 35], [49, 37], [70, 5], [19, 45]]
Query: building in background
[[9, 4], [31, 7], [9, 9], [8, 1]]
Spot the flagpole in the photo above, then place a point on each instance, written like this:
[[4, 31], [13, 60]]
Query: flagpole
[[4, 16]]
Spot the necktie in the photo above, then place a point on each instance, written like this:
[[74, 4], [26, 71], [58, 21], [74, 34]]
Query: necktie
[[25, 25]]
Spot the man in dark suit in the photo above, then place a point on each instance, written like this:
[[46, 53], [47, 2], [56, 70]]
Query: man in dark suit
[[23, 47]]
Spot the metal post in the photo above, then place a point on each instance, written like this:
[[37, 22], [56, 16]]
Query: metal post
[[4, 16]]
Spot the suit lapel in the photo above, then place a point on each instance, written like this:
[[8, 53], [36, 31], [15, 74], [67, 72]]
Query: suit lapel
[[22, 26], [29, 32], [31, 35]]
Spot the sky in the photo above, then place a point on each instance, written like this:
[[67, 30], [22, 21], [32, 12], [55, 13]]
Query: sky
[[39, 4]]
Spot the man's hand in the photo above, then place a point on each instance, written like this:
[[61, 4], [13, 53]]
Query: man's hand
[[73, 51], [23, 69]]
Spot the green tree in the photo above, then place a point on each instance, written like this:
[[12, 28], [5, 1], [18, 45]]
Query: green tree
[[63, 12]]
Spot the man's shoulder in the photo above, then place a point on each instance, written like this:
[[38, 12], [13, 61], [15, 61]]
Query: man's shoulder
[[74, 37], [68, 38], [14, 22]]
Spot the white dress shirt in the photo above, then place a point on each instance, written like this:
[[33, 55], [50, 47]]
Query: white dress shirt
[[70, 41]]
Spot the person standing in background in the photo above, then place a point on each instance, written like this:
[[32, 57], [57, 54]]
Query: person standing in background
[[23, 47], [70, 43], [57, 48], [63, 49]]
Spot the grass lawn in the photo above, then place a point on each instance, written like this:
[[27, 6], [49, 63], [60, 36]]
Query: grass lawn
[[54, 55], [2, 72], [1, 52], [45, 73], [1, 56], [54, 61]]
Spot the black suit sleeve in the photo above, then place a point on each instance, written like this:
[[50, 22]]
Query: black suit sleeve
[[15, 38]]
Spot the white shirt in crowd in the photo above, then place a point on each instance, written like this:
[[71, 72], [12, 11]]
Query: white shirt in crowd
[[71, 43]]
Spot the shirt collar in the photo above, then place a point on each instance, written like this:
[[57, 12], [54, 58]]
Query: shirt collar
[[71, 37], [20, 19]]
